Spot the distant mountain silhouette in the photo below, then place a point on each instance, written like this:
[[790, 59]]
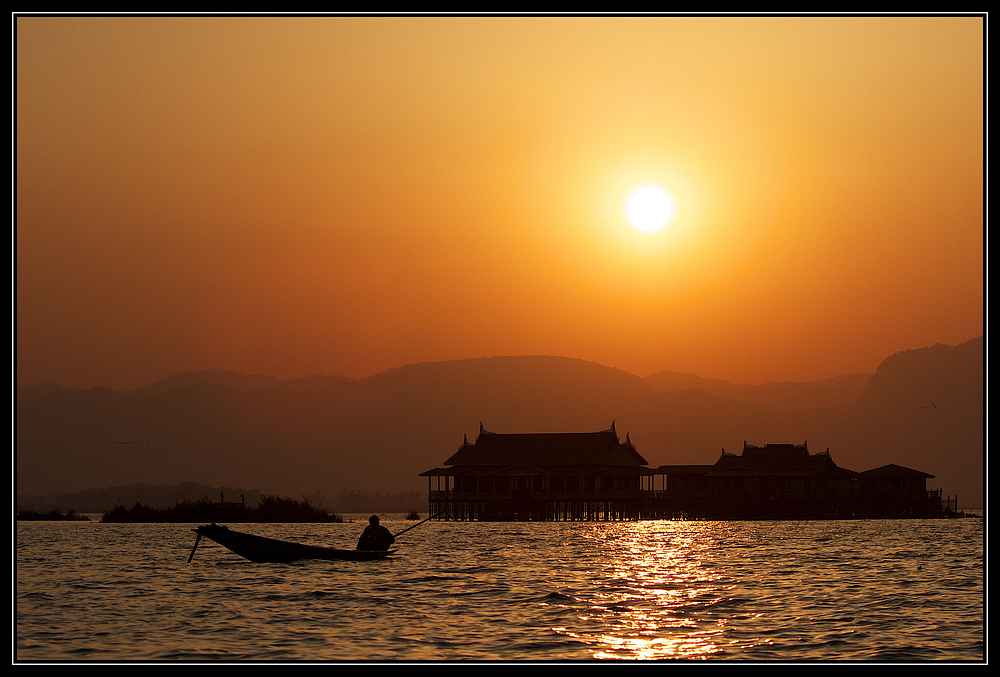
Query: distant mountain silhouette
[[39, 390], [926, 406], [376, 434], [234, 381], [842, 391]]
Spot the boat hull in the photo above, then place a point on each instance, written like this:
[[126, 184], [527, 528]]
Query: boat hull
[[261, 549]]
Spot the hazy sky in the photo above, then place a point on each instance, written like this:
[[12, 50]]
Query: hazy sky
[[338, 195]]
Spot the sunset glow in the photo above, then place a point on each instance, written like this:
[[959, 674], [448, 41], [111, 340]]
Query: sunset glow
[[499, 337], [345, 195]]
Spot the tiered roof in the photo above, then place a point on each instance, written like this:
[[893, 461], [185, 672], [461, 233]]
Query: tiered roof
[[602, 448], [776, 459], [896, 471]]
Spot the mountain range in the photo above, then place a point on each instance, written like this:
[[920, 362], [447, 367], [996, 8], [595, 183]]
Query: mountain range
[[921, 409]]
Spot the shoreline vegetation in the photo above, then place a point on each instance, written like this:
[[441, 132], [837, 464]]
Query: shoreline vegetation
[[101, 501], [271, 509], [51, 516]]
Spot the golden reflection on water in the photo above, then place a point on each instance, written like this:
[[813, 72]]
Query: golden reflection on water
[[641, 648], [655, 592], [683, 591]]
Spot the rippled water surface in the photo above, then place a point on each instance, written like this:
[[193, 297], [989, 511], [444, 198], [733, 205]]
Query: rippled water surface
[[904, 590]]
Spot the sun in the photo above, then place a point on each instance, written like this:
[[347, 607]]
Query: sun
[[650, 209]]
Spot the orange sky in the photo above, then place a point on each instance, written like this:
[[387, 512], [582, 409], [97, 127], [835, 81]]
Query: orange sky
[[337, 195]]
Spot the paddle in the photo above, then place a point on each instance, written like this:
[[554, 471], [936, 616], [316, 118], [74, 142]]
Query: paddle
[[416, 525], [196, 541]]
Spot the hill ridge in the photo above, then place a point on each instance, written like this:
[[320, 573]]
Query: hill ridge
[[378, 433]]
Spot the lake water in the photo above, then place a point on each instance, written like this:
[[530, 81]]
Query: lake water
[[871, 590]]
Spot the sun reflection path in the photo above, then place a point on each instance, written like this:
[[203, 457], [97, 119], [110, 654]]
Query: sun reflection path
[[642, 648], [657, 595]]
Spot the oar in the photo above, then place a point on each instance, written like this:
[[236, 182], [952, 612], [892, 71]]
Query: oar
[[196, 541], [416, 525]]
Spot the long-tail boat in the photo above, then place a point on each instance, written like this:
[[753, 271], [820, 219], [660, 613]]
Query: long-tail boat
[[261, 549]]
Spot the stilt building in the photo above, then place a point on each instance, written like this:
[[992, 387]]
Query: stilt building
[[597, 476], [541, 476]]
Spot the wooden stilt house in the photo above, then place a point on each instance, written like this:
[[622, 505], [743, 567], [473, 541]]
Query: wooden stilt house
[[786, 481], [596, 476], [541, 476]]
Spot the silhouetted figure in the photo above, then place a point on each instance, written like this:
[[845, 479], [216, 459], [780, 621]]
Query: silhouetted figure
[[375, 536]]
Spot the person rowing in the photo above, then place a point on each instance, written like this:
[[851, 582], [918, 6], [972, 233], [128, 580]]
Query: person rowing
[[375, 536]]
